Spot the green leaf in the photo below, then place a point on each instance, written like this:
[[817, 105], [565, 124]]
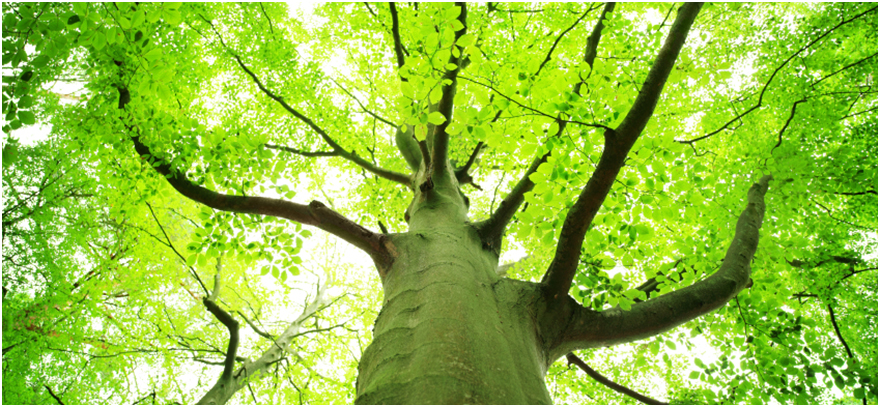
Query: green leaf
[[154, 15], [125, 23], [859, 393], [465, 40], [153, 54], [631, 293], [407, 90], [436, 94], [98, 41], [452, 12], [421, 132], [138, 19], [457, 25], [436, 118], [26, 117], [171, 17]]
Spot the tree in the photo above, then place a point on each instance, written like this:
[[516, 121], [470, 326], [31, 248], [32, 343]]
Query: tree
[[726, 155]]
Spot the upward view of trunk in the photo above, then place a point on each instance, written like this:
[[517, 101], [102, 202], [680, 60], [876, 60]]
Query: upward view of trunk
[[451, 330]]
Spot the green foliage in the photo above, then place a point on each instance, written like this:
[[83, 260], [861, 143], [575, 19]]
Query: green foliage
[[99, 308]]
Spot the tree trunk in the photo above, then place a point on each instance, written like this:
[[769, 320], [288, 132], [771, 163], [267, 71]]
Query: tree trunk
[[451, 331]]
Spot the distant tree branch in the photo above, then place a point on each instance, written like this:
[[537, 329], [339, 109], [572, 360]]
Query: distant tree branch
[[153, 395], [563, 267], [828, 211], [843, 69], [837, 331], [232, 325], [271, 30], [280, 345], [586, 328], [397, 177], [492, 229], [369, 112], [870, 191], [449, 83], [171, 245], [873, 109], [559, 38], [493, 7], [52, 393], [651, 285], [573, 359], [773, 75], [787, 122], [395, 32], [301, 152], [490, 87], [351, 156], [463, 173], [315, 213]]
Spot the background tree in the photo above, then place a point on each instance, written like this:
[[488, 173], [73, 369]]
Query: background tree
[[600, 145]]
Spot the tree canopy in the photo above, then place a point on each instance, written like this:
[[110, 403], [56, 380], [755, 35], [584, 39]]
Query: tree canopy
[[169, 230]]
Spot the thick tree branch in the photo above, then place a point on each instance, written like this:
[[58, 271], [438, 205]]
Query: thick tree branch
[[643, 107], [592, 47], [562, 269], [408, 147], [441, 137], [574, 360], [589, 329], [315, 213], [773, 75]]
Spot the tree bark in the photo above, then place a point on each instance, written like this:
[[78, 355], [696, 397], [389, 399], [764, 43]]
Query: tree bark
[[451, 331]]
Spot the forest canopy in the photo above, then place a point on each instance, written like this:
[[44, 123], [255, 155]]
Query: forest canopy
[[198, 197]]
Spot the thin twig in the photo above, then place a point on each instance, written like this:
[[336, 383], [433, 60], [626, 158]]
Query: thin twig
[[573, 359], [171, 245]]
